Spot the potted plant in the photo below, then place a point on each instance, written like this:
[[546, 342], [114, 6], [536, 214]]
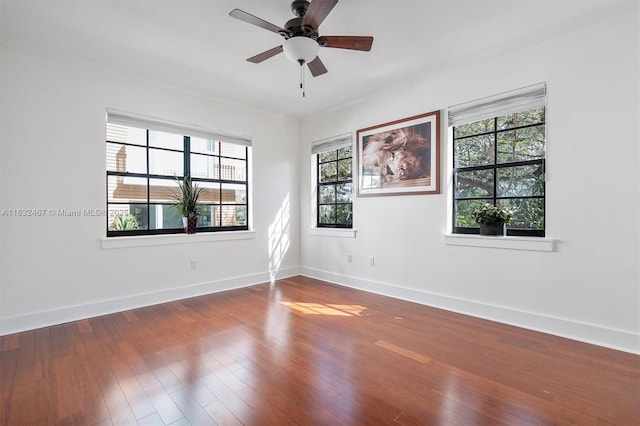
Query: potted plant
[[186, 202], [492, 219]]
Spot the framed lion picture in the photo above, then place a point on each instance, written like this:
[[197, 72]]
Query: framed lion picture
[[400, 157]]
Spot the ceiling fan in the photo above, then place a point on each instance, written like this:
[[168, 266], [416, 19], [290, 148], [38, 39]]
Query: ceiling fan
[[301, 36]]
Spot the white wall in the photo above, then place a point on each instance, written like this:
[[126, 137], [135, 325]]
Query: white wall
[[52, 152], [589, 287], [52, 268]]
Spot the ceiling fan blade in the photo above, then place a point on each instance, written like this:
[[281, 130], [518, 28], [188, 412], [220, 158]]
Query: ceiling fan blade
[[249, 18], [317, 67], [317, 11], [347, 42], [265, 55]]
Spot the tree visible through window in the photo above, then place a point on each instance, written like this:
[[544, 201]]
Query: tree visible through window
[[335, 188], [501, 161]]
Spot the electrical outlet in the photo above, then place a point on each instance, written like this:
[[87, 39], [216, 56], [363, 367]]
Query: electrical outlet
[[349, 258], [194, 265], [372, 261]]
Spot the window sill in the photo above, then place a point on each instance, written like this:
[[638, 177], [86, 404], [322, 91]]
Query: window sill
[[162, 240], [509, 243], [334, 232]]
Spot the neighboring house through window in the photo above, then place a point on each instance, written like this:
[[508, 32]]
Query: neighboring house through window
[[333, 181], [499, 159], [145, 157]]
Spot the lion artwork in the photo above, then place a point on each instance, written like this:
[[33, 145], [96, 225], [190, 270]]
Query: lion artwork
[[396, 156]]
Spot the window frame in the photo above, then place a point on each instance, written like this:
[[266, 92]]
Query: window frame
[[492, 108], [186, 152], [335, 184], [334, 143]]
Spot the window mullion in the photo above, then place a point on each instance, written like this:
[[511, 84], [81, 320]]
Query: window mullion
[[148, 182], [187, 156]]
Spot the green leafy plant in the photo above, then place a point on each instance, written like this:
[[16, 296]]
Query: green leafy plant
[[185, 198], [489, 213], [123, 222]]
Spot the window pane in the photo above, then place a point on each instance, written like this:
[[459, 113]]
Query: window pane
[[126, 134], [139, 211], [345, 152], [204, 146], [343, 213], [474, 128], [327, 194], [229, 215], [328, 172], [162, 190], [343, 193], [234, 193], [210, 216], [164, 216], [521, 144], [241, 216], [464, 212], [327, 214], [474, 151], [233, 169], [122, 218], [204, 166], [344, 169], [520, 181], [166, 163], [210, 192], [472, 184], [166, 140], [126, 189], [528, 212], [126, 158], [233, 150], [328, 156], [522, 118]]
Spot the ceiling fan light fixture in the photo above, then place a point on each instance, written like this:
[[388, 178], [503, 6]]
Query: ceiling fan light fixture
[[301, 49]]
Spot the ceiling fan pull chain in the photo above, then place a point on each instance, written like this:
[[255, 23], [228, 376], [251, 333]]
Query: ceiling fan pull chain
[[301, 62]]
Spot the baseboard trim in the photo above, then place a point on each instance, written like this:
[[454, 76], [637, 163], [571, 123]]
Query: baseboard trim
[[74, 313], [588, 333]]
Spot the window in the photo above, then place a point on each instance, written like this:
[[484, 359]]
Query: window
[[145, 158], [334, 181], [499, 158]]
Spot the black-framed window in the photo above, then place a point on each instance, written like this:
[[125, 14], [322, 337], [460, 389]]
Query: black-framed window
[[500, 160], [334, 188], [143, 165]]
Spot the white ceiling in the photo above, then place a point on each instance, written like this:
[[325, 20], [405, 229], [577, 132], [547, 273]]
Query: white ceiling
[[196, 45]]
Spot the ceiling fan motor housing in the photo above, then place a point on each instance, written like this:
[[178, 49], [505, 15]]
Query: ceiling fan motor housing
[[294, 27]]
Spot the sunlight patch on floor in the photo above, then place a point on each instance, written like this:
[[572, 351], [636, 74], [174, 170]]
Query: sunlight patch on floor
[[325, 309], [403, 351]]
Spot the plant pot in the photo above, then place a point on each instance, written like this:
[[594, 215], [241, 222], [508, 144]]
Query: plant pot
[[496, 228], [189, 224]]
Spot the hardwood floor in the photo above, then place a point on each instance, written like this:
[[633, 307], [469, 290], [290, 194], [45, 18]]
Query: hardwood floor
[[306, 352]]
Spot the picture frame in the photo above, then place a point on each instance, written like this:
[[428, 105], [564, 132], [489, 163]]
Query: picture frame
[[400, 157]]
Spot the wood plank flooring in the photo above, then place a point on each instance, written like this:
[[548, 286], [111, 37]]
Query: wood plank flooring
[[306, 352]]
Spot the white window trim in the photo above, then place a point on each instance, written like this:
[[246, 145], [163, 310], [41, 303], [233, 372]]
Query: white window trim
[[334, 232], [512, 101], [328, 144], [500, 242], [170, 239]]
